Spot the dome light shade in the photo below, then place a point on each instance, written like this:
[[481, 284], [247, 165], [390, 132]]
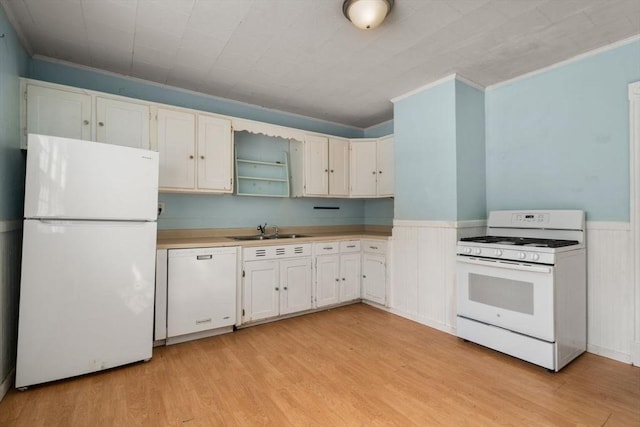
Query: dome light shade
[[366, 14]]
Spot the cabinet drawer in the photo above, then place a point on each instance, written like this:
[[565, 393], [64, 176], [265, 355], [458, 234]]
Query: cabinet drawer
[[374, 246], [274, 252], [326, 248], [350, 246]]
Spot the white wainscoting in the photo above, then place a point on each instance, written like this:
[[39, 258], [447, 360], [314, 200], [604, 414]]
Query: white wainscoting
[[422, 279], [10, 256], [610, 295], [423, 270]]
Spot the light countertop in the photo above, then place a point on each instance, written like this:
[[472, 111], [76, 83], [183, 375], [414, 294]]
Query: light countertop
[[197, 238]]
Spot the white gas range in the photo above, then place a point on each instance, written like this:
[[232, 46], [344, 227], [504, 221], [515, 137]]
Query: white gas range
[[521, 289]]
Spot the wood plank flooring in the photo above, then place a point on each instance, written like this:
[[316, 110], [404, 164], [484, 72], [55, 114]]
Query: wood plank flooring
[[351, 366]]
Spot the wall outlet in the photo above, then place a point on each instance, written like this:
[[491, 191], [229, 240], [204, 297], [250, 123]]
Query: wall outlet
[[160, 208]]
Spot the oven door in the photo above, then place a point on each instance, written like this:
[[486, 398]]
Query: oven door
[[511, 295]]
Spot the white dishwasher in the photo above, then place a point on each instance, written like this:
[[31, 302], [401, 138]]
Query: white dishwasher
[[201, 291]]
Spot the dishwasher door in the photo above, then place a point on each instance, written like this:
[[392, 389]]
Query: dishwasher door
[[201, 289]]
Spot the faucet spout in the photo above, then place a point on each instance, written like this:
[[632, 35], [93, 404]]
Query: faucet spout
[[262, 228]]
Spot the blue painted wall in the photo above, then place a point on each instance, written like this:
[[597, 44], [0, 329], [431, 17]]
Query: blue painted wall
[[560, 139], [195, 211], [381, 129], [470, 153], [425, 154], [13, 64]]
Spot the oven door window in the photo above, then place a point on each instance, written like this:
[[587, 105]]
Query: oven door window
[[511, 296], [514, 295]]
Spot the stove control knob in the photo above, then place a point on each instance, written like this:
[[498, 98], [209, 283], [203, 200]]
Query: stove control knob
[[498, 252], [535, 257], [478, 251], [522, 255], [467, 250]]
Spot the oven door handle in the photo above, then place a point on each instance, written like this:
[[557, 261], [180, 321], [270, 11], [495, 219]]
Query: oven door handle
[[502, 264]]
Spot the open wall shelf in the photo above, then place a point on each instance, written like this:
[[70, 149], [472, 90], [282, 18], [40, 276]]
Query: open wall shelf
[[262, 178]]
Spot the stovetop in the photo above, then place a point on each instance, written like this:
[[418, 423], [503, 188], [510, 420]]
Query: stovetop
[[521, 241]]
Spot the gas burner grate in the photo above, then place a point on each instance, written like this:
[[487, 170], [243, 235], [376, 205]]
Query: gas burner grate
[[521, 241]]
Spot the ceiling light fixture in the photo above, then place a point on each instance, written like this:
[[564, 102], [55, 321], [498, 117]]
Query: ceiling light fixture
[[366, 14]]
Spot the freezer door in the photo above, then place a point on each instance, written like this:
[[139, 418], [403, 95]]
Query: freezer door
[[86, 298], [74, 179]]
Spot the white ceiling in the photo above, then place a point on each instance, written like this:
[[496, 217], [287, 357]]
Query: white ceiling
[[304, 57]]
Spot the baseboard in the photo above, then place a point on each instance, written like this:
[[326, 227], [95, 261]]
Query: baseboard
[[7, 383], [422, 320], [610, 354], [635, 353]]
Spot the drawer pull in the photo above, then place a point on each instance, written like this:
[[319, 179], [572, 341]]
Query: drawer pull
[[373, 247], [199, 322], [327, 248], [203, 257], [351, 246]]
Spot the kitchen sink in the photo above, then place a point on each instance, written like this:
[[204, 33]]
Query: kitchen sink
[[261, 237], [250, 237]]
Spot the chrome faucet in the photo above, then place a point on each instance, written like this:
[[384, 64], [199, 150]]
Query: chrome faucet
[[275, 230], [262, 228]]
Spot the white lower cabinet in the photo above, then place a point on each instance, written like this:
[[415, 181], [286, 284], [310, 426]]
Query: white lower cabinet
[[337, 272], [374, 271], [201, 289], [276, 281]]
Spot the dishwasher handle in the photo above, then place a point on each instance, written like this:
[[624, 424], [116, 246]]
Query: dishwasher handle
[[204, 257]]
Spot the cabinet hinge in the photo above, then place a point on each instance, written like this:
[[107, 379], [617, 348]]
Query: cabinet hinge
[[243, 275], [243, 312]]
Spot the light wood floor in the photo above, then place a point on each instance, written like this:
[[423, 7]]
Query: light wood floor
[[353, 366]]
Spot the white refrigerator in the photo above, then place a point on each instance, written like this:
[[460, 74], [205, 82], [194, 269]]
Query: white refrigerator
[[88, 258]]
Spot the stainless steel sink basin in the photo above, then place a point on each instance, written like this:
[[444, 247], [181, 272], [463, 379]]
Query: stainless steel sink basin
[[250, 237], [261, 237]]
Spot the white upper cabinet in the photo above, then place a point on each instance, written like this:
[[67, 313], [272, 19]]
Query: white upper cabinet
[[122, 122], [386, 170], [176, 145], [316, 162], [215, 154], [338, 167], [320, 167], [371, 167], [183, 157], [74, 113], [57, 112], [364, 168]]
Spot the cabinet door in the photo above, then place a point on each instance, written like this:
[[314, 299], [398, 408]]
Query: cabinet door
[[363, 168], [338, 167], [349, 277], [58, 112], [261, 290], [122, 123], [200, 290], [385, 167], [327, 280], [176, 146], [316, 165], [374, 283], [295, 289], [215, 153]]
